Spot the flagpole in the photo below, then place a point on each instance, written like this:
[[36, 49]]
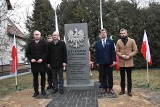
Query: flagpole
[[101, 14], [147, 70], [147, 75], [16, 76], [145, 50], [56, 20], [15, 66], [89, 50]]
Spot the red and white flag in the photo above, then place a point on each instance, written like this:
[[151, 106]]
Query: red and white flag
[[145, 50], [14, 57]]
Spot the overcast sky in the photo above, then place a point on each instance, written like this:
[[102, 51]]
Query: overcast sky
[[24, 7]]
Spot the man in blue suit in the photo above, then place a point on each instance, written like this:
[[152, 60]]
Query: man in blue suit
[[105, 60]]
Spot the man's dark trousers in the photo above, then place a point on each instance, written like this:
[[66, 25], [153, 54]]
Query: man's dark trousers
[[58, 74], [49, 77], [36, 83], [100, 76], [127, 70], [107, 75]]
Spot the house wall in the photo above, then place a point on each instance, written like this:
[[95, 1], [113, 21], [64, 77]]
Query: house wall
[[6, 48], [21, 50], [3, 17], [3, 29], [7, 41]]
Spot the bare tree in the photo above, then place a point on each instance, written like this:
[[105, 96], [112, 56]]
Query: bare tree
[[5, 41]]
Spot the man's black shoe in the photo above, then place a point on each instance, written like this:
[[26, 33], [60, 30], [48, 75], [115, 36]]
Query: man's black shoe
[[103, 91], [35, 94], [130, 94], [54, 91], [49, 87], [122, 92], [111, 91], [61, 91], [100, 86], [43, 92]]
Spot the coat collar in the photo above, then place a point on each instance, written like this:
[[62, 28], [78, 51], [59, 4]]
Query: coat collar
[[103, 39], [38, 41], [53, 42], [100, 41], [129, 40]]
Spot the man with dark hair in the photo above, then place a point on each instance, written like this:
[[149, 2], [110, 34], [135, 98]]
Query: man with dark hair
[[37, 54], [105, 60], [57, 59], [126, 48]]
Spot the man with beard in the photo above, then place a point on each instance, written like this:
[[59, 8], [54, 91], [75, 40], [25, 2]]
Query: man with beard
[[126, 48]]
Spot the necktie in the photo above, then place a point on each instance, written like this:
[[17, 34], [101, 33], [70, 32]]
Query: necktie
[[104, 42]]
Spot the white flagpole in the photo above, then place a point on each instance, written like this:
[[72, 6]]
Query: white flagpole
[[56, 21], [89, 50], [64, 39], [16, 75], [101, 14], [147, 75], [15, 65], [89, 57], [147, 67]]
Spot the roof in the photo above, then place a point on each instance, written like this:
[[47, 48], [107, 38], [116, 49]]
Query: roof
[[9, 6], [12, 29]]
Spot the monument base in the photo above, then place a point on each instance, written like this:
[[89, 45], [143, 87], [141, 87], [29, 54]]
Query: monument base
[[89, 86]]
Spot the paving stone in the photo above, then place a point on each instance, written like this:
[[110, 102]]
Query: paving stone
[[78, 98]]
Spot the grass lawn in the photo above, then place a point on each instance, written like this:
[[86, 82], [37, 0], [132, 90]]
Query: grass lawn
[[7, 86]]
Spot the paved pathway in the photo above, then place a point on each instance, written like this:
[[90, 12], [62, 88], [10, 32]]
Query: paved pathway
[[77, 98]]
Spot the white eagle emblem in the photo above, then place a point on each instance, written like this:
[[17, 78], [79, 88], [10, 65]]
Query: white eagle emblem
[[75, 38]]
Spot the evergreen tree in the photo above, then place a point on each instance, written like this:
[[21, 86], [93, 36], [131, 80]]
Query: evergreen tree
[[116, 15], [42, 18], [80, 11], [151, 23]]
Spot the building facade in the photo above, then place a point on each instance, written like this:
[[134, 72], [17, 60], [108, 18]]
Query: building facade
[[7, 31]]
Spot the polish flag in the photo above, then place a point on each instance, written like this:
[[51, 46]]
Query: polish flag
[[14, 57], [145, 50]]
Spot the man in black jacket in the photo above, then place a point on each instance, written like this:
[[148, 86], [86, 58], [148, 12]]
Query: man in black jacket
[[57, 59], [37, 54]]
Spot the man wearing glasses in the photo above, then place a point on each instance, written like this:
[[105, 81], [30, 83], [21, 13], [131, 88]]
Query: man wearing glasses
[[105, 60]]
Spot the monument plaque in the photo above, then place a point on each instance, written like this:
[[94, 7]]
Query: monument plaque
[[78, 74]]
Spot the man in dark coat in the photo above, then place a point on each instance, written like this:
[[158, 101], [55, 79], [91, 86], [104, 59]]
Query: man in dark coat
[[105, 60], [49, 71], [57, 59], [37, 54]]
